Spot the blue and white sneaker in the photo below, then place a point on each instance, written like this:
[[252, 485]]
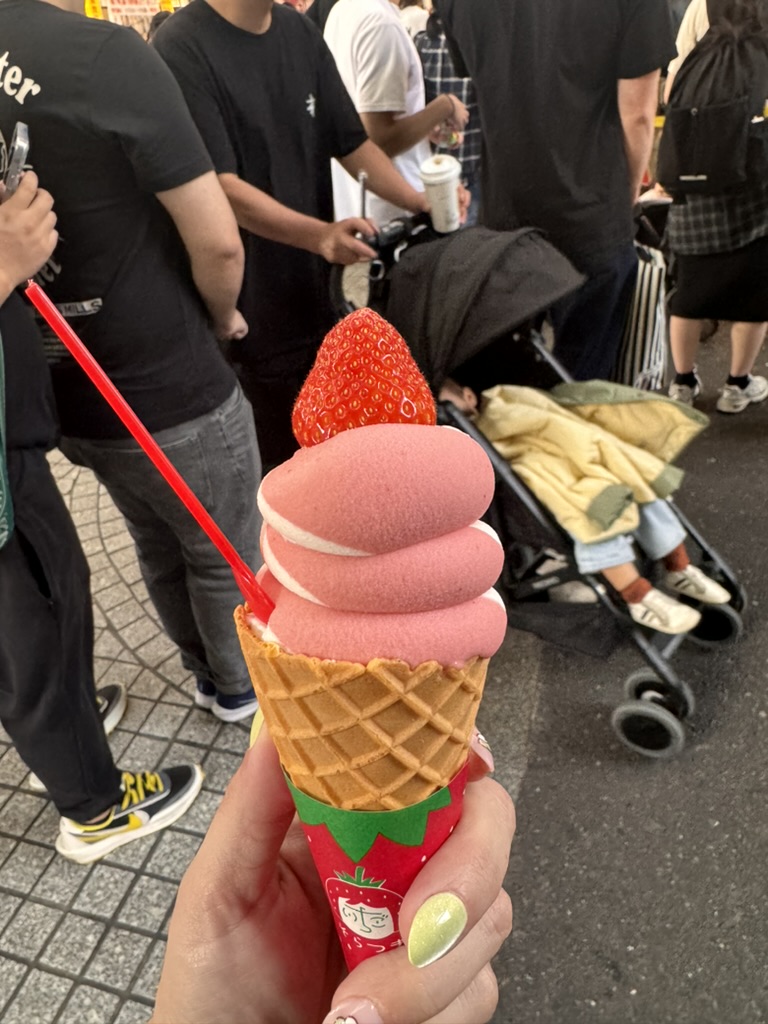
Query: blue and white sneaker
[[205, 695], [235, 707]]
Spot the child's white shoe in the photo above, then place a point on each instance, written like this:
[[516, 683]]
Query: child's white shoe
[[692, 582], [663, 613]]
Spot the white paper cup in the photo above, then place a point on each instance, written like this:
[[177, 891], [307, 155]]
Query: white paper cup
[[440, 175]]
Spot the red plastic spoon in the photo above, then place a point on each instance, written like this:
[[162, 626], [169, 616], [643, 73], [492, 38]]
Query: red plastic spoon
[[258, 601]]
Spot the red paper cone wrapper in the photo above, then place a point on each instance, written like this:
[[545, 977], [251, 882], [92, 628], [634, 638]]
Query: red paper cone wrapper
[[367, 861]]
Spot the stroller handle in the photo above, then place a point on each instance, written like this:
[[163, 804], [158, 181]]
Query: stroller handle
[[396, 231], [389, 242]]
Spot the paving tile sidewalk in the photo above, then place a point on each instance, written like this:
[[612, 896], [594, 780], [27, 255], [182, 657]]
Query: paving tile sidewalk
[[84, 945]]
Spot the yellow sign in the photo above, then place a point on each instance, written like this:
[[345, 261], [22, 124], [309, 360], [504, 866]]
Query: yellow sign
[[167, 5], [93, 9]]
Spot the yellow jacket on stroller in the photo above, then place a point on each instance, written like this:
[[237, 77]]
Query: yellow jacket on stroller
[[591, 451]]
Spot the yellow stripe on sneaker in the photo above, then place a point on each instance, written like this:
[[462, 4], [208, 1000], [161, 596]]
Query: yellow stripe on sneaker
[[131, 825]]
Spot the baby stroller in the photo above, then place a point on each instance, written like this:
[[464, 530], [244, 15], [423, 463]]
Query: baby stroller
[[476, 300]]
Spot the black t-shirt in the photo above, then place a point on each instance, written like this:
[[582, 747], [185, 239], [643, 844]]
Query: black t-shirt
[[546, 74], [29, 410], [108, 128], [273, 110]]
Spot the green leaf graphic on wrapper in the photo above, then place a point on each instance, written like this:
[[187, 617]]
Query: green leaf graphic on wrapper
[[355, 832], [359, 879]]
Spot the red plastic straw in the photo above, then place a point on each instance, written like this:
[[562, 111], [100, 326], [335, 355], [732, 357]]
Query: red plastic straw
[[258, 601]]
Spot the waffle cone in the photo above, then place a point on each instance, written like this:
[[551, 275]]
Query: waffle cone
[[373, 737]]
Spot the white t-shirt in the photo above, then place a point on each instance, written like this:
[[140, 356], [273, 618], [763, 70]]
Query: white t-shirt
[[694, 26], [414, 18], [381, 69]]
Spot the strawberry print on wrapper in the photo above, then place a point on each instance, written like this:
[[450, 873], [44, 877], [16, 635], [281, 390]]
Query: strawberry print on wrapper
[[363, 910], [363, 374], [369, 859]]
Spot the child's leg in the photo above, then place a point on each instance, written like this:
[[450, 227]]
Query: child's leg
[[614, 559], [662, 537], [660, 532]]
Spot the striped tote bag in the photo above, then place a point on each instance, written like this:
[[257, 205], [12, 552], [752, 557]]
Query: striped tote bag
[[643, 356]]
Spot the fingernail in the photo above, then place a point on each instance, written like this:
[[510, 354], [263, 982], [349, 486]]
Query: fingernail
[[482, 748], [437, 927], [360, 1012], [258, 722]]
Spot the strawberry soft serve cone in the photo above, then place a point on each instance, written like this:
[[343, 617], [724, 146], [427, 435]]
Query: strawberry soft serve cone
[[372, 665]]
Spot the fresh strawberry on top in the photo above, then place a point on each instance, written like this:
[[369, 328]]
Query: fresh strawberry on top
[[364, 373]]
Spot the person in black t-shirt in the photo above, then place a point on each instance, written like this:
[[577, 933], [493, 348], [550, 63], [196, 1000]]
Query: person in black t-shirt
[[265, 93], [147, 270], [568, 94], [48, 704]]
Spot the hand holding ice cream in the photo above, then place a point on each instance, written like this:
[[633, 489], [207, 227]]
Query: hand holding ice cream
[[252, 937]]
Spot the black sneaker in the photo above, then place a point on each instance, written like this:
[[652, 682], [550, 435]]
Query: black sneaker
[[151, 801], [111, 701]]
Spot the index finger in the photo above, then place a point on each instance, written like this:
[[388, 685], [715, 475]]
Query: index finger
[[363, 225], [26, 192]]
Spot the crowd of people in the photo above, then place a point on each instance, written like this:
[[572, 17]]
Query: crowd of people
[[183, 205]]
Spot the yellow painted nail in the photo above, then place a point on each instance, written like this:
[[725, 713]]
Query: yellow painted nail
[[437, 927], [258, 722]]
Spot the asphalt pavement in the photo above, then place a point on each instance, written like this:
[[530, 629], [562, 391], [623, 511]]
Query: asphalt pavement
[[639, 886]]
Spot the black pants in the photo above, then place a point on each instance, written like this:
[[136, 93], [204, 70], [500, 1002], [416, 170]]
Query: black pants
[[47, 695], [272, 389], [589, 323]]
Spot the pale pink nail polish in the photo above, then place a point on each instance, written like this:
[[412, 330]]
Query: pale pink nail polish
[[481, 747], [360, 1012]]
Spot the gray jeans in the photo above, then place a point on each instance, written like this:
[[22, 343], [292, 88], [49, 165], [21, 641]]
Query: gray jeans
[[189, 582], [659, 532]]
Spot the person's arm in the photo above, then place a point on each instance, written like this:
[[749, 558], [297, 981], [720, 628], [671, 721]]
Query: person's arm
[[638, 98], [28, 234], [383, 177], [382, 66], [169, 160], [208, 228], [264, 216], [394, 135]]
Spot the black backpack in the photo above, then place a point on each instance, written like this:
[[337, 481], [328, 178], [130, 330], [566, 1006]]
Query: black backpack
[[715, 134]]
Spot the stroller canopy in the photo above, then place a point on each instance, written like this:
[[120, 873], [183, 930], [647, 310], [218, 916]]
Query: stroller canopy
[[452, 297]]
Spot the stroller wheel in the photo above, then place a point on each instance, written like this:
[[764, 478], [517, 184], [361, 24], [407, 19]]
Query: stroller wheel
[[648, 728], [645, 685], [720, 624]]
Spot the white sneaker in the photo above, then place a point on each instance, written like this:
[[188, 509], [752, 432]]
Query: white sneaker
[[735, 399], [664, 614], [684, 393], [692, 582]]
